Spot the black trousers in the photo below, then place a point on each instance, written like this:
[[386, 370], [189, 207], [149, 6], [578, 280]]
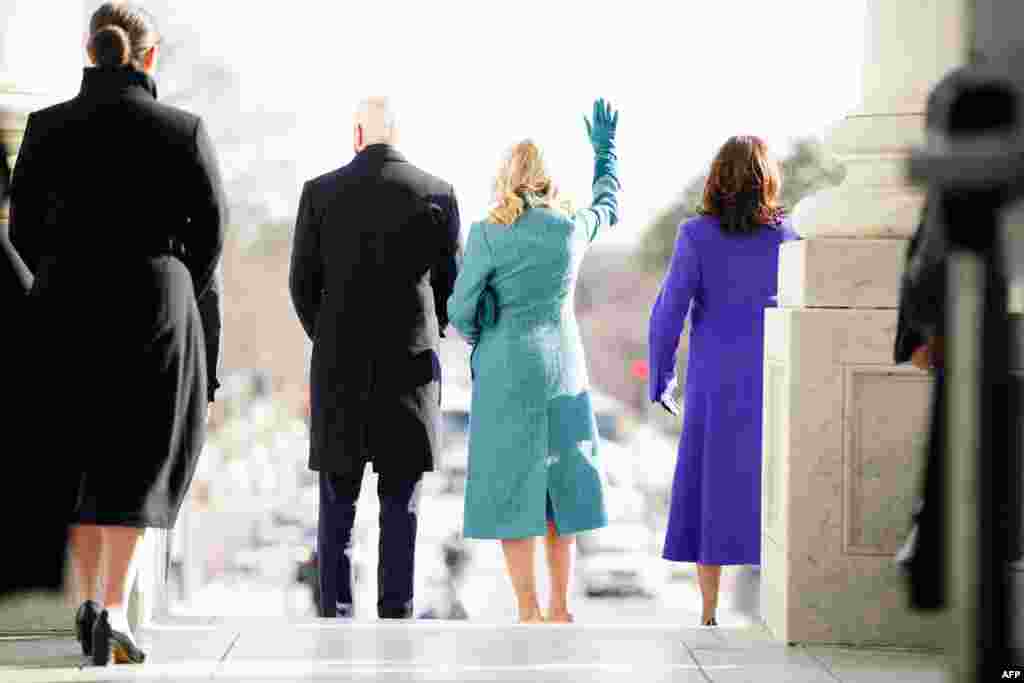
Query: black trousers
[[397, 551]]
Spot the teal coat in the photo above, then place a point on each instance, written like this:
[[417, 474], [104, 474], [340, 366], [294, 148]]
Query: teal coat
[[532, 433]]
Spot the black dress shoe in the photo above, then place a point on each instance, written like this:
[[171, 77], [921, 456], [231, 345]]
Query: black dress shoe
[[85, 619], [109, 644]]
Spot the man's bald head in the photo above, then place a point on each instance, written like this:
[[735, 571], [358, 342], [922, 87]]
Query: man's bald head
[[375, 123]]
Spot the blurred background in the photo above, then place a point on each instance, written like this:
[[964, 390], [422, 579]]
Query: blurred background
[[277, 88]]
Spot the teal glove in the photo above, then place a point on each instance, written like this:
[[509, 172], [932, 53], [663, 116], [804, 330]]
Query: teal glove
[[602, 138], [602, 131]]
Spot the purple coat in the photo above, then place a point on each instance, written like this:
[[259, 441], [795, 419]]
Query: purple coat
[[726, 282]]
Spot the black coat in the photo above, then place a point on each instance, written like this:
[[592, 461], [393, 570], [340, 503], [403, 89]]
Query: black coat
[[374, 261], [165, 169], [117, 209], [922, 314], [40, 538]]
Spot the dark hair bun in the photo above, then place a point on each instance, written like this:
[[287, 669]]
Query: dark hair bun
[[110, 45]]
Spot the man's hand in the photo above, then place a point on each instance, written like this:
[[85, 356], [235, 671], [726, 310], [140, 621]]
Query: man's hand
[[931, 355], [922, 358]]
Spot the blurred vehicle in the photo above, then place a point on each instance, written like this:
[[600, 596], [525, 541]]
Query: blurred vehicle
[[624, 501], [615, 422], [617, 561], [454, 458], [622, 559]]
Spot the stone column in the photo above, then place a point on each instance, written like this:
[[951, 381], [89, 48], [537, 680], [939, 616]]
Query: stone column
[[844, 428], [40, 63]]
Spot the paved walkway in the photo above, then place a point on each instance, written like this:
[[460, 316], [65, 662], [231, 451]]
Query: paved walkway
[[273, 650]]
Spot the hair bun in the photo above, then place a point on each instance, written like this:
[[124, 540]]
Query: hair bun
[[111, 45]]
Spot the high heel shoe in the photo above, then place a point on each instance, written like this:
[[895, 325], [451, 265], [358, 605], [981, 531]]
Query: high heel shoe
[[109, 644], [709, 622], [85, 619]]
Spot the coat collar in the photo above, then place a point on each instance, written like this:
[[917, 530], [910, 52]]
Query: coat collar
[[117, 79], [380, 153]]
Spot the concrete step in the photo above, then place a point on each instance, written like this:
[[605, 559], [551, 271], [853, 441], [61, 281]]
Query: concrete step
[[272, 650]]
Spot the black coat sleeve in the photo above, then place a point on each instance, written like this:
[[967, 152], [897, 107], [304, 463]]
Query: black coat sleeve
[[210, 307], [27, 213], [305, 276], [15, 277], [908, 338], [203, 239], [444, 272], [5, 173], [923, 288]]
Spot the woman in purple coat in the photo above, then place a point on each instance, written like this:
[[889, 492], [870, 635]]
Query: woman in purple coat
[[724, 272]]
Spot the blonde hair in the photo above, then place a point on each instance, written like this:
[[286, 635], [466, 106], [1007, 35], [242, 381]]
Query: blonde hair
[[523, 181]]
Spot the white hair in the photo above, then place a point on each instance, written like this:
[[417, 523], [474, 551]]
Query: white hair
[[377, 117]]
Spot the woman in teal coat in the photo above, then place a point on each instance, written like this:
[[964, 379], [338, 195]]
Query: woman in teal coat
[[533, 444]]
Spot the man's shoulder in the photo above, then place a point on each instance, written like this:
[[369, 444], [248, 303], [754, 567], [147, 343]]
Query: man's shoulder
[[433, 183], [53, 113], [417, 180], [329, 179]]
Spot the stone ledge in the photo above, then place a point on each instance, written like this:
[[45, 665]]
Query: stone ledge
[[832, 272]]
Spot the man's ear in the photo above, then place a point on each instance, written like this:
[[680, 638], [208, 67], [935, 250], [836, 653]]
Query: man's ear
[[149, 59], [357, 138], [85, 48]]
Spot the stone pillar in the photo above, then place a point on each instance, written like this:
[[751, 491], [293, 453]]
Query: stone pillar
[[844, 428], [40, 63]]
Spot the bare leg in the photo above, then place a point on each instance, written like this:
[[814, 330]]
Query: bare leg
[[86, 544], [120, 546], [559, 554], [709, 576], [519, 560]]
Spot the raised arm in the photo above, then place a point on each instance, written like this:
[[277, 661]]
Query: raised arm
[[604, 210], [669, 314], [470, 284], [305, 277]]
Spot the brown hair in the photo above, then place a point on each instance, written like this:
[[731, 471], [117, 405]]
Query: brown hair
[[121, 34], [743, 186]]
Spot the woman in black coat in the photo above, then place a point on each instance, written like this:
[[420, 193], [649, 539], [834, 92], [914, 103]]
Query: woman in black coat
[[117, 209]]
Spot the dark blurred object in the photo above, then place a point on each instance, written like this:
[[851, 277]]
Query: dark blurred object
[[308, 574], [40, 540], [15, 277], [5, 174], [974, 166]]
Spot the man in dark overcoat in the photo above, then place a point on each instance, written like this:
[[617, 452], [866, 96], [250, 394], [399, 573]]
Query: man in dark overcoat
[[921, 340], [374, 261]]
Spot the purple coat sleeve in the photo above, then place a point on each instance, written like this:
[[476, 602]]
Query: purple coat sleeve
[[669, 312]]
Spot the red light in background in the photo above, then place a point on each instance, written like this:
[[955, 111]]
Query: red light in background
[[640, 370]]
